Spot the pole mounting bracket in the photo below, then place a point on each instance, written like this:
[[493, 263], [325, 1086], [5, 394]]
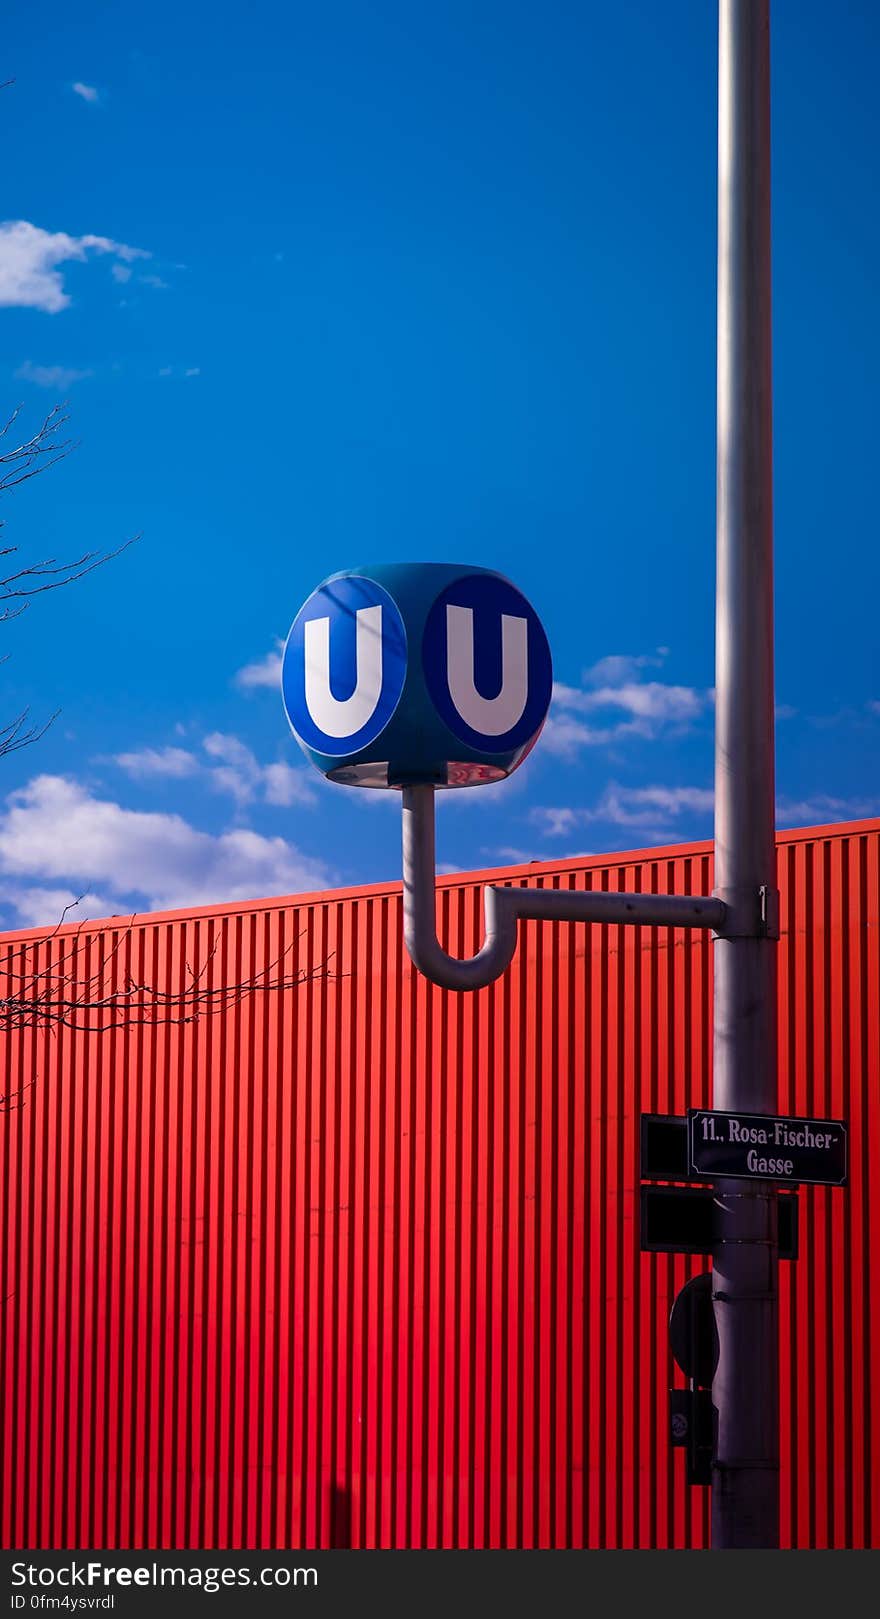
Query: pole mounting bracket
[[752, 913], [769, 911], [506, 906]]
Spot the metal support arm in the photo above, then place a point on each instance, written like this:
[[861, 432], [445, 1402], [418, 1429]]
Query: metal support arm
[[505, 906]]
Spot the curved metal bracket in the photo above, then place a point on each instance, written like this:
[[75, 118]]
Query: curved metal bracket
[[504, 907]]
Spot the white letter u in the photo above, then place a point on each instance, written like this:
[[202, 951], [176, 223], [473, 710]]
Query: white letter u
[[491, 716], [347, 717]]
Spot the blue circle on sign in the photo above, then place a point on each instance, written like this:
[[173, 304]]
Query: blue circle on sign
[[486, 662], [344, 665]]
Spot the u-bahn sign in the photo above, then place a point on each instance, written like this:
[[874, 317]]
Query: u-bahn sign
[[416, 672], [758, 1146]]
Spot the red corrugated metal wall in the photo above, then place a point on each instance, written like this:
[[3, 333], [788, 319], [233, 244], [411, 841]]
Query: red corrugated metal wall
[[358, 1263]]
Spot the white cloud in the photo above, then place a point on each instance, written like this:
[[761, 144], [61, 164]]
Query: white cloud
[[145, 762], [121, 272], [29, 260], [620, 667], [50, 376], [637, 806], [265, 672], [653, 811], [614, 686], [649, 700], [234, 770], [285, 786], [193, 371], [56, 831], [564, 735], [37, 906], [231, 749], [240, 773], [823, 809], [154, 281], [86, 92], [627, 806], [555, 823]]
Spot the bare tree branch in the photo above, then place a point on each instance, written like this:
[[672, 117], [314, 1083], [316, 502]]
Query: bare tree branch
[[42, 450], [61, 995], [67, 573], [13, 735], [18, 462], [7, 1104]]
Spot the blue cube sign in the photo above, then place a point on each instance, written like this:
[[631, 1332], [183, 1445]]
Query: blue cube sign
[[421, 672]]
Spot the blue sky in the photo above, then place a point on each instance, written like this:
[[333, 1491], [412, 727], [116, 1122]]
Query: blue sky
[[380, 281]]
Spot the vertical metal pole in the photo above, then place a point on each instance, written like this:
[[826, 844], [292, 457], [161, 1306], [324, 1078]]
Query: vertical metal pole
[[745, 1495]]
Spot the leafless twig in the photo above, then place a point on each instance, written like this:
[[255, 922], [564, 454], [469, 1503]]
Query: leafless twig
[[20, 461], [43, 449], [62, 995]]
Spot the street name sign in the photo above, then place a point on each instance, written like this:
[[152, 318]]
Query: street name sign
[[770, 1147]]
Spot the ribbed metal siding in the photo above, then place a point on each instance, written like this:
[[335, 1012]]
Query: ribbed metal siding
[[358, 1264]]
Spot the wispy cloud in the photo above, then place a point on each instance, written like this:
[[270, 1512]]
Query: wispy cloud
[[822, 809], [620, 667], [564, 735], [238, 772], [51, 376], [229, 766], [642, 807], [555, 823], [57, 836], [86, 92], [656, 812], [30, 257], [635, 806], [647, 700], [588, 716], [282, 785], [152, 762], [36, 905], [264, 672], [121, 273]]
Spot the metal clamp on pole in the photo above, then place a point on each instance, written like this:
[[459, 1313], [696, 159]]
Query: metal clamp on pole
[[752, 912], [504, 906]]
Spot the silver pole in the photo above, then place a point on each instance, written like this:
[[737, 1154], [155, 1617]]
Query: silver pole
[[745, 1495]]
